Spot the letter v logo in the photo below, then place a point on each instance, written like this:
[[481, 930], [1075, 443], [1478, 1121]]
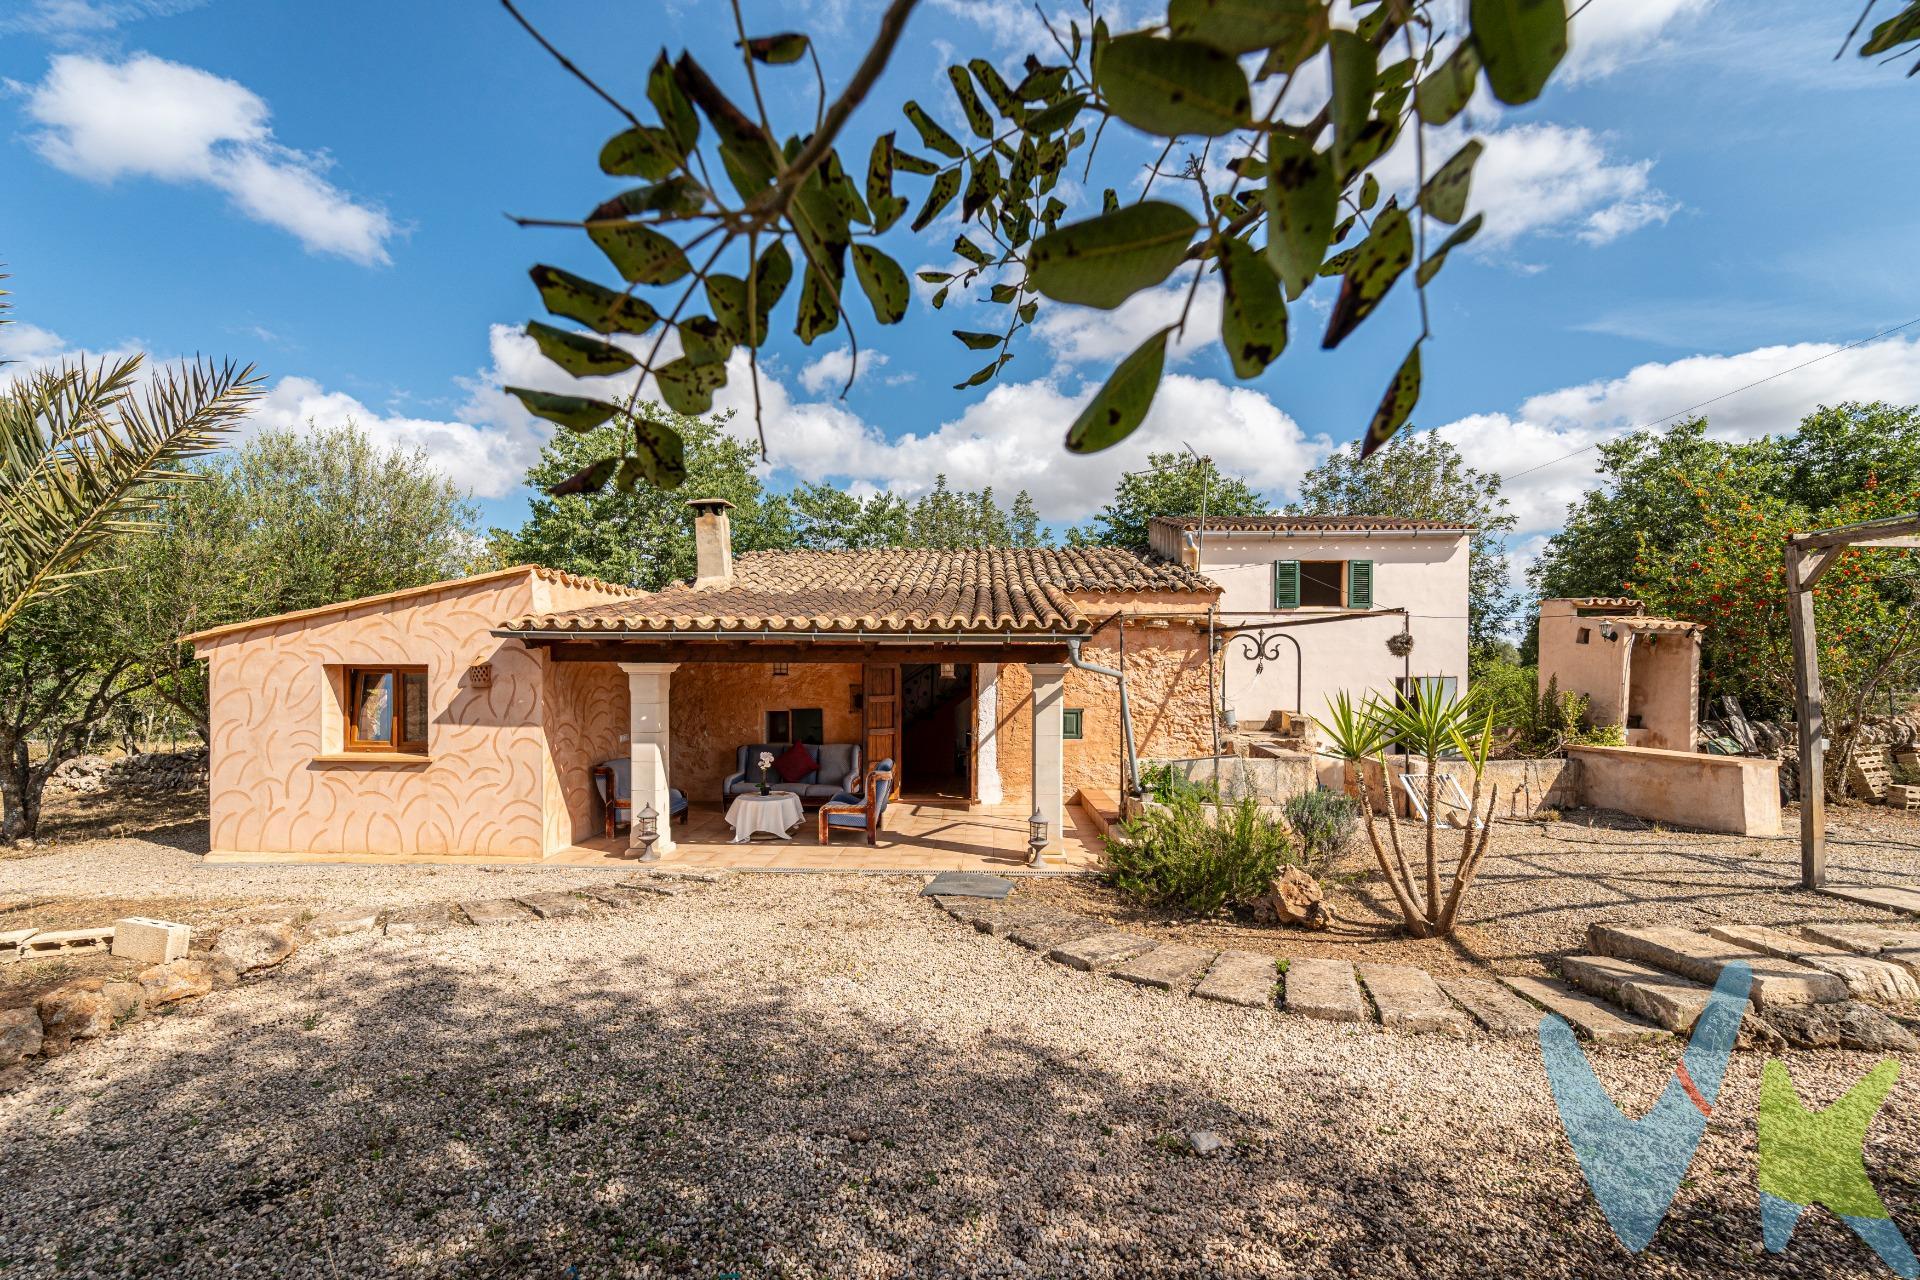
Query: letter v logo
[[1634, 1167]]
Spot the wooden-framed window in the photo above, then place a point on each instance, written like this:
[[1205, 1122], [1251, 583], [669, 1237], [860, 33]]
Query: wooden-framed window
[[1323, 584], [1073, 722], [386, 708], [797, 724]]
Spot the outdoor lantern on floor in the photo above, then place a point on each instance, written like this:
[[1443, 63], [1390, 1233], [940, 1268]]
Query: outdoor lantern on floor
[[1036, 835], [648, 824]]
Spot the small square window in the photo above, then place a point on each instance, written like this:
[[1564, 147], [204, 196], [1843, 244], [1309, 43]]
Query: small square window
[[797, 724], [1072, 721], [386, 709], [1585, 636]]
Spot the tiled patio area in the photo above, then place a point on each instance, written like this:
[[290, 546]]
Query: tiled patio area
[[919, 836]]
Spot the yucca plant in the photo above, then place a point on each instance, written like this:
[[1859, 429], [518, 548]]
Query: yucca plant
[[83, 449], [1432, 725]]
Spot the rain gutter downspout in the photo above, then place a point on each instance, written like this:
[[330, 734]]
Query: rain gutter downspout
[[1126, 714]]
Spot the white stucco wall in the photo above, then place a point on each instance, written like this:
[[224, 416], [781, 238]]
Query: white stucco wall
[[1425, 573]]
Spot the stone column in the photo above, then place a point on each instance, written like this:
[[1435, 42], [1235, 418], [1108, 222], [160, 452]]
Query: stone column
[[647, 741], [986, 730], [1049, 770]]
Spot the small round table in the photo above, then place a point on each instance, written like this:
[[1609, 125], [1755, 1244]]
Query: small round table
[[775, 814]]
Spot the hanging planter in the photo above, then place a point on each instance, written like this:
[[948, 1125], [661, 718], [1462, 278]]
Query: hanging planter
[[1400, 645]]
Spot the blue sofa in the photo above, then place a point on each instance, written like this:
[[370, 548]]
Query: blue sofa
[[839, 772], [617, 775]]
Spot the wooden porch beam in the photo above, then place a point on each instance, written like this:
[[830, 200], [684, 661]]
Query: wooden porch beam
[[1810, 715], [723, 651], [1866, 533]]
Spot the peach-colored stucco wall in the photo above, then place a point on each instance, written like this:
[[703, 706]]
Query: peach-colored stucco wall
[[585, 716], [1653, 676], [1597, 668], [715, 708], [1710, 793]]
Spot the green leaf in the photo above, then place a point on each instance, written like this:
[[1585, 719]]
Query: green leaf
[[575, 413], [1901, 28], [1041, 83], [944, 188], [981, 375], [1463, 233], [660, 452], [1056, 117], [983, 184], [1444, 93], [1302, 202], [886, 206], [579, 355], [676, 113], [688, 387], [940, 296], [788, 46], [1247, 26], [644, 151], [1375, 137], [996, 90], [884, 282], [818, 313], [977, 118], [600, 309], [705, 340], [1355, 65], [934, 277], [907, 162], [972, 252], [1109, 201], [1369, 192], [1253, 315], [931, 134], [1395, 406], [1003, 293], [1377, 263], [677, 197], [591, 478], [1445, 195], [1103, 261], [1173, 87], [1117, 410], [641, 254], [1520, 42], [977, 341]]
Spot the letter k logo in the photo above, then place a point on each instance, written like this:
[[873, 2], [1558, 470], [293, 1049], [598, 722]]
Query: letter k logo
[[1634, 1167]]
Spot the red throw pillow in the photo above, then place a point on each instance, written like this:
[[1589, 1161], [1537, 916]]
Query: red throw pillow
[[795, 763]]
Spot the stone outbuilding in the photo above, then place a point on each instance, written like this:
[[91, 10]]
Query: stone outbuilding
[[1640, 672]]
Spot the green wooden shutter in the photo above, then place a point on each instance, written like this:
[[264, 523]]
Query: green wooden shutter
[[1286, 584], [1359, 584]]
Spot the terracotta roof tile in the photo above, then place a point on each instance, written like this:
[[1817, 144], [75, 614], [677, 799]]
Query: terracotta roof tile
[[1309, 524], [896, 590]]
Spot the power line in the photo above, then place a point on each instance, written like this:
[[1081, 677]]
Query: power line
[[1716, 399]]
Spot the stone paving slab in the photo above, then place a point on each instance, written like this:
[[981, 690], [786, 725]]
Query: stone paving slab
[[687, 876], [1494, 1007], [1245, 978], [977, 912], [1886, 897], [1867, 977], [1673, 1002], [337, 924], [967, 884], [618, 896], [417, 921], [1044, 933], [495, 911], [555, 905], [1171, 966], [1700, 957], [1409, 999], [1587, 1015], [1895, 946], [1324, 989], [1100, 950]]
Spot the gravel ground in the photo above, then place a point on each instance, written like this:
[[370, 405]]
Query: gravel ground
[[812, 1076]]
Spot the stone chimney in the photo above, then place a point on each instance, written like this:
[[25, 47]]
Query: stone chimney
[[712, 542]]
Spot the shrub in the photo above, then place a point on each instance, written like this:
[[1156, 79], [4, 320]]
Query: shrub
[[1535, 722], [1168, 785], [1324, 820], [1176, 857]]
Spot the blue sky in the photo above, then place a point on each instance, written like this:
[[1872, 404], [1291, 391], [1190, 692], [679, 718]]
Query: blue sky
[[1703, 199]]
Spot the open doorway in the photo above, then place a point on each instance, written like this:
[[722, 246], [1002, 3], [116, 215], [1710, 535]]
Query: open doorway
[[936, 741]]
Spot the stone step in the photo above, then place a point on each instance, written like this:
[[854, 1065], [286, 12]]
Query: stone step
[[1588, 1016], [1653, 994], [1171, 966], [1886, 897], [420, 920], [1895, 946], [556, 905], [1494, 1007], [621, 897], [1410, 1000], [1002, 921], [1324, 989], [1044, 933], [1245, 978], [1867, 977], [1700, 957], [1100, 950], [338, 924], [977, 912], [496, 911]]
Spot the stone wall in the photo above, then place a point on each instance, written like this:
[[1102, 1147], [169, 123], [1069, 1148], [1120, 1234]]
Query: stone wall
[[1710, 793], [718, 707]]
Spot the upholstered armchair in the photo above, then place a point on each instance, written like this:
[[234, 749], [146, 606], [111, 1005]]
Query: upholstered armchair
[[613, 779], [849, 812]]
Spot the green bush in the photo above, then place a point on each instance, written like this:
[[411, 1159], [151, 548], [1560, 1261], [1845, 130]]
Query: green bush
[[1175, 857], [1538, 723], [1167, 784], [1324, 821]]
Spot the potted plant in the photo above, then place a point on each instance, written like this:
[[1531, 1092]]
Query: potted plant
[[766, 763]]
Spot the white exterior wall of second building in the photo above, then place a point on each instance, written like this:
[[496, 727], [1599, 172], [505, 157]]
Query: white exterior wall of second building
[[1425, 573]]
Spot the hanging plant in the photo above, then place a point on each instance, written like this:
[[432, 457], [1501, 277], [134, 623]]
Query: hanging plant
[[1401, 645]]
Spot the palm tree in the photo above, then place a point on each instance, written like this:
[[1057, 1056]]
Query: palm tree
[[82, 450]]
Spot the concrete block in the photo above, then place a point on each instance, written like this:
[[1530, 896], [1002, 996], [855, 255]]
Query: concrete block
[[1886, 897], [62, 942], [1494, 1007], [555, 906], [495, 911], [1867, 977], [11, 943], [1657, 996], [150, 941], [1044, 933]]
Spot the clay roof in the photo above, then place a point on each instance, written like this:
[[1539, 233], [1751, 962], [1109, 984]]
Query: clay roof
[[985, 590], [1656, 624], [539, 571], [1604, 602], [1310, 524]]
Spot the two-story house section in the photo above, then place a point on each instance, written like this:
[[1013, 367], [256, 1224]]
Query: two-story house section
[[1310, 604]]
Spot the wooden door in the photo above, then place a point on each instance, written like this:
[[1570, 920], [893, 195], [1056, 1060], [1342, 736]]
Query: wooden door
[[881, 682]]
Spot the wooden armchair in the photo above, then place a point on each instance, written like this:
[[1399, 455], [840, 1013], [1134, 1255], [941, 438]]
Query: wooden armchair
[[849, 812], [613, 779]]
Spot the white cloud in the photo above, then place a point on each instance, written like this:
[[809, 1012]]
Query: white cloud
[[150, 118], [67, 20], [830, 372], [1608, 37], [1086, 334], [1555, 423]]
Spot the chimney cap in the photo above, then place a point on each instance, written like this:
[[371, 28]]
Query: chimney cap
[[709, 506]]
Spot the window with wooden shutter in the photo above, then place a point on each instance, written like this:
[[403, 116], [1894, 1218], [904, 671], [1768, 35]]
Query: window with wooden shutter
[[1360, 584], [1286, 584]]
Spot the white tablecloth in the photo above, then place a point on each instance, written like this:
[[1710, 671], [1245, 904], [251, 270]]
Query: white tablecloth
[[775, 814]]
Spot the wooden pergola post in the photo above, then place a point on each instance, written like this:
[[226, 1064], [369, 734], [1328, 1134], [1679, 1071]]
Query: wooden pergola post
[[1808, 556]]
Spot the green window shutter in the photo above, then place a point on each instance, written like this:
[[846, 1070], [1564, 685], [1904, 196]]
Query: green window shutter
[[1286, 584], [1359, 584]]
